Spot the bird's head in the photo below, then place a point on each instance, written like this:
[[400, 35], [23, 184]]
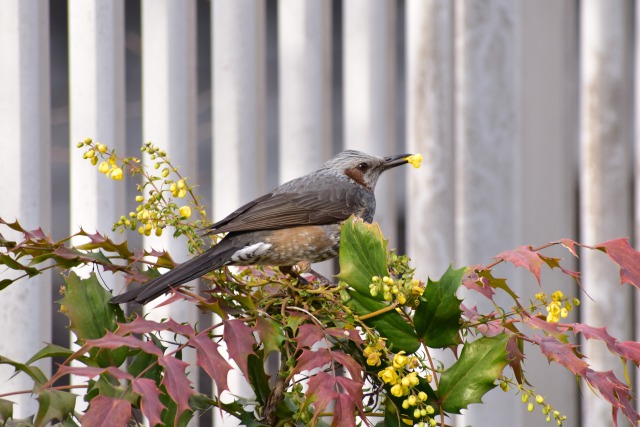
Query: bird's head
[[363, 168]]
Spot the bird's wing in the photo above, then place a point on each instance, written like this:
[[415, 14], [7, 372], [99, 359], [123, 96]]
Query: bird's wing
[[283, 210]]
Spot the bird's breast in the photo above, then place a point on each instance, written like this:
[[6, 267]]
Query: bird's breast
[[289, 246]]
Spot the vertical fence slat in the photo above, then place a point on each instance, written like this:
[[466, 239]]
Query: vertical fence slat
[[430, 198], [304, 56], [239, 142], [96, 106], [169, 108], [238, 89], [605, 176], [486, 125], [549, 63], [370, 94], [25, 189]]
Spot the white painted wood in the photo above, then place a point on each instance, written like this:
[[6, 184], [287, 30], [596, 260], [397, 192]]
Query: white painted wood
[[169, 111], [239, 142], [96, 98], [238, 88], [25, 188], [370, 95], [548, 67], [304, 66], [429, 123], [487, 127], [605, 177]]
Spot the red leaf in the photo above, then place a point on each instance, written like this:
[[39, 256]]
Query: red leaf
[[240, 340], [344, 411], [320, 391], [629, 349], [211, 361], [472, 281], [150, 399], [614, 392], [308, 335], [354, 368], [143, 326], [571, 245], [350, 334], [176, 382], [562, 353], [89, 372], [110, 340], [621, 252], [324, 388], [108, 412], [523, 256], [309, 360]]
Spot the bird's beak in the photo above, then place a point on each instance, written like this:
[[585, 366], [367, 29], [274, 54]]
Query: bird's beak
[[393, 161]]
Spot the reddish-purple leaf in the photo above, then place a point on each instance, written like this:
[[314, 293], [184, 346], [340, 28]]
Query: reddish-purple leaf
[[308, 335], [523, 256], [350, 334], [240, 341], [150, 400], [324, 388], [344, 411], [621, 252], [354, 368], [309, 360], [89, 372], [141, 325], [571, 245], [562, 353], [473, 282], [615, 392], [107, 412], [176, 382], [320, 391], [629, 349], [211, 361], [111, 340], [554, 329]]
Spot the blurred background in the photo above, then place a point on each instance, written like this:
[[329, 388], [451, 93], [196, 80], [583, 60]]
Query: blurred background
[[525, 111]]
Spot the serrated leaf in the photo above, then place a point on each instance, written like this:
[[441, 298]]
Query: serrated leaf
[[50, 350], [363, 254], [54, 404], [240, 341], [437, 320], [390, 325], [258, 379], [523, 256], [466, 381], [86, 305], [6, 410], [271, 334], [108, 412], [33, 371], [176, 382], [210, 359], [150, 404]]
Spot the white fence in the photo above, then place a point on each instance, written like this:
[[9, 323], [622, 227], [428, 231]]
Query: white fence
[[524, 111]]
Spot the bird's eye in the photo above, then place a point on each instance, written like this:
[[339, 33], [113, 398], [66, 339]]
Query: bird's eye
[[363, 166]]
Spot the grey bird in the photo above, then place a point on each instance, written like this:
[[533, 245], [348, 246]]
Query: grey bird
[[298, 222]]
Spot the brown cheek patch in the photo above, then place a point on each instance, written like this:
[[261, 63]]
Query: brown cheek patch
[[356, 175]]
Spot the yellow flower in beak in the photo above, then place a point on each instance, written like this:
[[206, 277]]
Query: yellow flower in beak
[[414, 160]]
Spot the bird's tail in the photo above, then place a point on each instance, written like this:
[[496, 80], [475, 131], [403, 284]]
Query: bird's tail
[[192, 269]]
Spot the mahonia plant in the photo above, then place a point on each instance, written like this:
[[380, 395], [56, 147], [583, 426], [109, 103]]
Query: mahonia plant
[[360, 352]]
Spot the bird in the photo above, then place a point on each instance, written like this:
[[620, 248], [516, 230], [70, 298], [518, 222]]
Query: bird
[[296, 223]]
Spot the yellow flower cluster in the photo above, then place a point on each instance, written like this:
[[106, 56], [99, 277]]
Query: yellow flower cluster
[[108, 167], [531, 400], [374, 351], [558, 307], [178, 189], [414, 160], [403, 380], [398, 290]]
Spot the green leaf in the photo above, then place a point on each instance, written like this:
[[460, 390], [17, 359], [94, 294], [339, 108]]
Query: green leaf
[[54, 405], [258, 379], [437, 318], [363, 254], [6, 410], [390, 325], [271, 334], [34, 372], [466, 381], [50, 350], [86, 305], [4, 283]]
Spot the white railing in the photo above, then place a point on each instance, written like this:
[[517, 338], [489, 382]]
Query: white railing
[[524, 111]]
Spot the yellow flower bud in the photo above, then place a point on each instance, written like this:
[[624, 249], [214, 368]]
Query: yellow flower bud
[[103, 167], [89, 154], [539, 399], [94, 161], [181, 184], [117, 174], [422, 396], [182, 193], [396, 390], [185, 211], [141, 229], [414, 160], [412, 400], [158, 231], [416, 413], [401, 299], [530, 407], [101, 148], [399, 360]]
